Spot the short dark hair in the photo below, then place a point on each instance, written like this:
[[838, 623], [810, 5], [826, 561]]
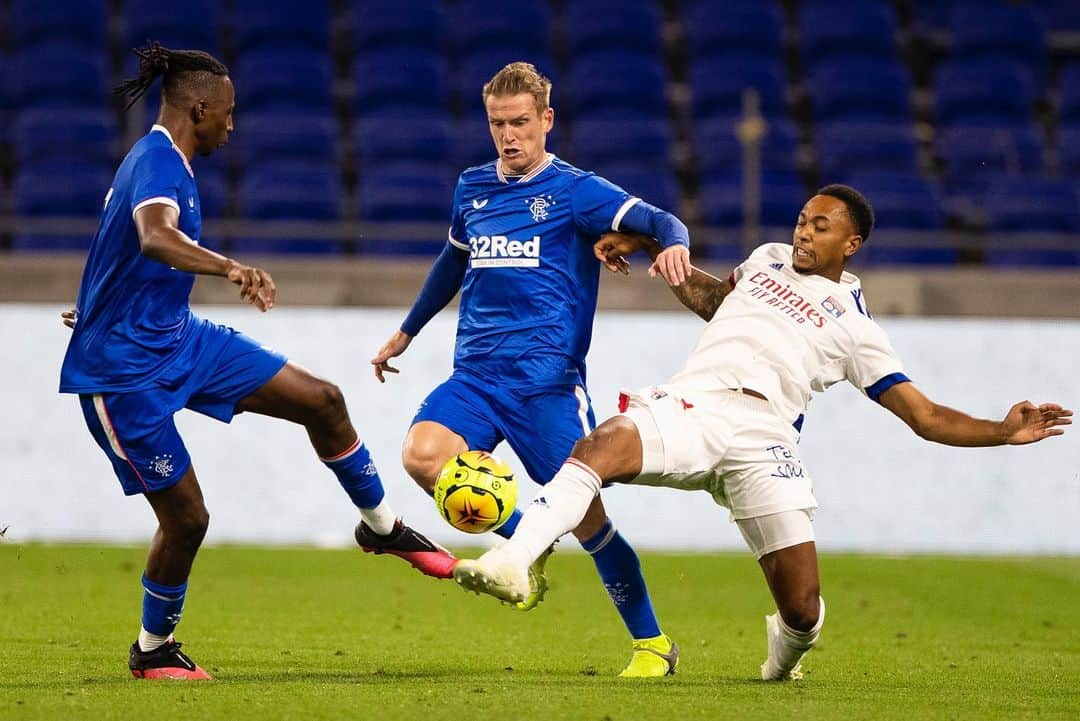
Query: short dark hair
[[858, 207], [177, 69]]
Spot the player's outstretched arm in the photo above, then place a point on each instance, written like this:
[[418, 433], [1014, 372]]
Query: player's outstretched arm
[[392, 348], [699, 291], [161, 239], [1024, 423]]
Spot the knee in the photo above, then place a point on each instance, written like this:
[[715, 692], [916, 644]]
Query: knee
[[609, 434], [329, 403], [423, 461], [804, 612], [188, 529]]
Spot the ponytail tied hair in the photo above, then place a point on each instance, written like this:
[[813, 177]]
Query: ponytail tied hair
[[153, 63]]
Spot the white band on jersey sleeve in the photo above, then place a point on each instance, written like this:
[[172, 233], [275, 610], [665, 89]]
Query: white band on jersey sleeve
[[455, 242], [630, 203], [159, 200]]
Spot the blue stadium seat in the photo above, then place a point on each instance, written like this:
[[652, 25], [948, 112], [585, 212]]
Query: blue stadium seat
[[716, 145], [521, 28], [1061, 14], [739, 27], [400, 79], [1070, 94], [196, 28], [408, 137], [405, 193], [279, 24], [1027, 257], [272, 137], [284, 80], [652, 184], [845, 28], [846, 147], [59, 188], [970, 92], [213, 191], [998, 30], [1069, 143], [82, 22], [973, 153], [1020, 205], [872, 89], [290, 191], [80, 134], [598, 25], [782, 195], [717, 84], [901, 200], [471, 142], [478, 67], [61, 74], [383, 24], [599, 141], [603, 84]]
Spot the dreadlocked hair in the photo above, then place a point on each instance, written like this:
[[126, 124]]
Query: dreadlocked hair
[[156, 60]]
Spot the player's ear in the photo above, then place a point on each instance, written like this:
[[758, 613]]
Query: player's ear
[[198, 111], [853, 244], [548, 119]]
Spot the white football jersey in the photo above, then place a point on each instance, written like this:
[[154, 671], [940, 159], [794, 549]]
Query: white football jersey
[[783, 334]]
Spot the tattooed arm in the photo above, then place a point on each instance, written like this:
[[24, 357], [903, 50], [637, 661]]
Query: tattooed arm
[[700, 292]]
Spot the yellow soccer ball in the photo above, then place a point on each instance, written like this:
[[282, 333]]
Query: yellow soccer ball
[[476, 492]]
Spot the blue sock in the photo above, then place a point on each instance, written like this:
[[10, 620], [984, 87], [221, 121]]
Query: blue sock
[[620, 570], [162, 606], [358, 476], [507, 529]]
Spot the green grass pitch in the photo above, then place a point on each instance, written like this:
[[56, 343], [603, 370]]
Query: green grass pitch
[[314, 634]]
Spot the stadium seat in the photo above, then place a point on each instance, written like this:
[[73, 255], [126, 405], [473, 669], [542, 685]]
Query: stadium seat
[[213, 191], [716, 145], [290, 191], [284, 80], [63, 189], [471, 142], [870, 89], [272, 137], [196, 28], [64, 133], [618, 25], [405, 193], [970, 92], [835, 27], [603, 84], [600, 141], [845, 147], [400, 79], [1027, 257], [80, 22], [61, 74], [717, 84], [973, 153], [281, 24], [384, 24], [1061, 14], [1020, 205], [903, 201], [998, 30], [738, 27], [1069, 83], [521, 28], [407, 137], [478, 67], [652, 184], [722, 199], [1069, 144]]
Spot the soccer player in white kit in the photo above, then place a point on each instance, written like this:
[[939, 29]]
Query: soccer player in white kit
[[789, 320]]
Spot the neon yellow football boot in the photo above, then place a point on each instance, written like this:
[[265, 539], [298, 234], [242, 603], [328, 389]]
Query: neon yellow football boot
[[653, 658], [538, 583]]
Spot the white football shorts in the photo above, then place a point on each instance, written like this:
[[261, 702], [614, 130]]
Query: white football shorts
[[725, 442]]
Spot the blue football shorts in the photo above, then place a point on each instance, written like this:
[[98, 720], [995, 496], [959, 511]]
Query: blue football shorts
[[540, 424], [136, 430]]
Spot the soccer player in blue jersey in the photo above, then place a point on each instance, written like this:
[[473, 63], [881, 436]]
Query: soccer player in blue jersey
[[138, 354], [520, 251]]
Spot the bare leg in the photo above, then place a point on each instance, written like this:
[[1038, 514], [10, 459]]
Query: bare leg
[[182, 523], [792, 575], [427, 448]]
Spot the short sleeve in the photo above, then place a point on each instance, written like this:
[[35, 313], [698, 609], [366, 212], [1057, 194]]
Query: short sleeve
[[599, 204], [874, 367], [457, 234], [157, 178], [769, 252]]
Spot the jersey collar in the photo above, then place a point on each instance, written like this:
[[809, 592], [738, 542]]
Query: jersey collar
[[162, 129], [503, 178]]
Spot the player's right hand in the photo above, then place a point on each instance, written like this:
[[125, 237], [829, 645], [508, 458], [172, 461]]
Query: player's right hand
[[673, 265], [613, 247], [256, 285], [392, 348]]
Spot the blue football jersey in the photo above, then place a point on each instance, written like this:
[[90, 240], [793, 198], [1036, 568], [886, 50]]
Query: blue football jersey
[[529, 293], [133, 313]]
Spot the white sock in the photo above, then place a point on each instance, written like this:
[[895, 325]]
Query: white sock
[[558, 509], [381, 518], [794, 644], [150, 641]]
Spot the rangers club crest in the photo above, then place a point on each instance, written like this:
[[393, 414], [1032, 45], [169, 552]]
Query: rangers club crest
[[162, 465], [538, 206]]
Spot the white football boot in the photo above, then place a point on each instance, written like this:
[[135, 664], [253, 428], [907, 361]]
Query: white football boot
[[496, 575]]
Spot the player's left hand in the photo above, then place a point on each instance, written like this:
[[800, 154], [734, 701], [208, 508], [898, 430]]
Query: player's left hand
[[613, 247], [70, 317], [673, 264], [1028, 423]]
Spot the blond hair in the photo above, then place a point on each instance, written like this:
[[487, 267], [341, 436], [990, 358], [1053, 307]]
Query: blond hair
[[517, 78]]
